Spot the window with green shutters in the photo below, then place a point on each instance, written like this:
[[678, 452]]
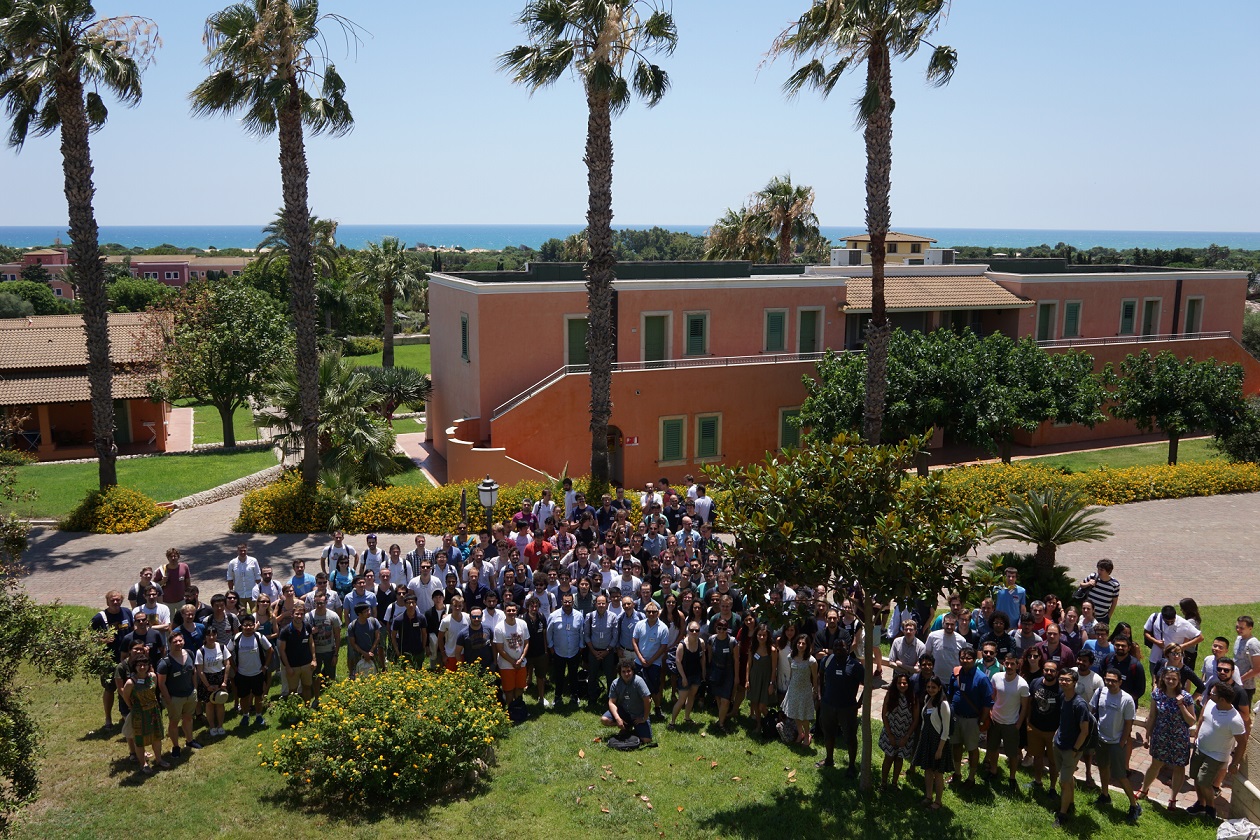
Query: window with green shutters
[[697, 333], [1072, 319], [789, 434], [708, 436], [776, 330], [1045, 321], [463, 336], [673, 447], [1128, 316], [1194, 315], [807, 334], [577, 340], [655, 346]]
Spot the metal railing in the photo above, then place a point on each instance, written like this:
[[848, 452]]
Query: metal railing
[[662, 364], [1133, 339]]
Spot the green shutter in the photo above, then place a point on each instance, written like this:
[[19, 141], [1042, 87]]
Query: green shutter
[[577, 341], [696, 328], [807, 341], [463, 336], [672, 440], [654, 338], [776, 322], [1128, 312], [1045, 322], [1072, 320], [789, 434], [1194, 315], [707, 437]]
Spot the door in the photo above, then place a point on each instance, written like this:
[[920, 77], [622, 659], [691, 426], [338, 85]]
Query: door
[[654, 339], [1150, 317], [807, 341], [122, 421], [577, 341]]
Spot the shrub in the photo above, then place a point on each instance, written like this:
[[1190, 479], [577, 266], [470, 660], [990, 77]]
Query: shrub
[[394, 737], [360, 346], [1033, 577], [16, 458], [116, 510], [287, 507], [435, 510]]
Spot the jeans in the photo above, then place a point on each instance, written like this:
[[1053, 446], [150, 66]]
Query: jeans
[[564, 674]]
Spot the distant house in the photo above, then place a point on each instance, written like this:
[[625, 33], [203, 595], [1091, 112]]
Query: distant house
[[43, 378], [901, 248], [173, 270]]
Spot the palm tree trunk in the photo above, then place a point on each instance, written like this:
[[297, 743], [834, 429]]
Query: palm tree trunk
[[785, 244], [293, 176], [89, 271], [1173, 440], [387, 352], [599, 278], [878, 137], [1047, 554]]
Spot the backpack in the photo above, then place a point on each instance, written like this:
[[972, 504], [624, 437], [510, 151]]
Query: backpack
[[517, 711], [262, 652], [626, 741]]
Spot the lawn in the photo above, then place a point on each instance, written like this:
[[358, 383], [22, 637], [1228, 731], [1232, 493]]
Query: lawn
[[405, 355], [407, 426], [698, 784], [1143, 455], [164, 478], [411, 476], [208, 427]]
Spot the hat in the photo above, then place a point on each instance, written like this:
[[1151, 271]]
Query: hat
[[220, 697]]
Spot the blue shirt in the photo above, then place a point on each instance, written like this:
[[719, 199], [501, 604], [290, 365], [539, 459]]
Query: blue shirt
[[842, 678], [564, 633], [628, 623], [651, 637], [1101, 652], [302, 584], [599, 630], [969, 692], [352, 601], [1005, 602]]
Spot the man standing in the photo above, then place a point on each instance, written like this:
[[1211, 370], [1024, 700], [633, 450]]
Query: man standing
[[1115, 711], [650, 639], [266, 586], [159, 614], [1075, 721], [906, 649], [1221, 730], [251, 654], [297, 653], [243, 572], [1012, 700], [1132, 674], [511, 639], [1247, 654], [326, 632], [1053, 650], [1167, 628], [115, 622], [363, 639], [476, 644], [142, 633], [139, 591], [843, 677], [452, 625], [1011, 599], [971, 698], [409, 632], [1102, 590], [302, 582], [945, 644], [564, 638], [175, 677], [423, 585], [601, 648]]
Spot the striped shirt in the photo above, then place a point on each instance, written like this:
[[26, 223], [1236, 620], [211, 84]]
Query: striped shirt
[[1101, 595]]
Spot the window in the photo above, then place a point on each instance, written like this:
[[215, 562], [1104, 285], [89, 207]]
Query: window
[[789, 434], [708, 436], [1194, 315], [236, 274], [150, 275], [1046, 316], [463, 336], [1128, 316], [575, 327], [891, 248], [1072, 319], [697, 333], [1150, 316], [776, 331], [58, 292], [808, 330], [673, 440], [655, 343], [916, 247], [172, 275]]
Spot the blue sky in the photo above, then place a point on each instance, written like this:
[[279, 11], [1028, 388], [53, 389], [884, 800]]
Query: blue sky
[[1074, 114]]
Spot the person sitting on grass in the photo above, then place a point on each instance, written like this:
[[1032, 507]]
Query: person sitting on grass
[[628, 702], [140, 692]]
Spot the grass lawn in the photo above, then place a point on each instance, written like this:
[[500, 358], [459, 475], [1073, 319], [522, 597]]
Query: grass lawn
[[407, 426], [1144, 455], [411, 476], [208, 427], [164, 479], [699, 785], [405, 355]]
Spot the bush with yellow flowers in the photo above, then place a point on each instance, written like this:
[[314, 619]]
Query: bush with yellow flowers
[[287, 506], [395, 736], [114, 510]]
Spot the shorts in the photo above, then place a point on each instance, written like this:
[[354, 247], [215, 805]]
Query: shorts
[[180, 707], [966, 732], [301, 678], [539, 661], [1113, 757], [1204, 769], [107, 680], [1066, 760], [251, 686], [513, 679], [1040, 743], [215, 680], [1004, 738], [837, 722], [642, 730]]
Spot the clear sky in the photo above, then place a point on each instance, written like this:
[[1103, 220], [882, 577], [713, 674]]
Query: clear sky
[[1075, 114]]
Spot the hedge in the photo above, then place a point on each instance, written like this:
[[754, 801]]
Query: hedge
[[287, 507], [115, 510]]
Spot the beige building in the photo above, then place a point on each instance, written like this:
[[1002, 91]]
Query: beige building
[[903, 248]]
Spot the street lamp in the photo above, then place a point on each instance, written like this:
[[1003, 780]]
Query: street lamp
[[488, 494]]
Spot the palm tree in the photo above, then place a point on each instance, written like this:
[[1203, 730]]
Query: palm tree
[[870, 32], [385, 271], [55, 60], [1048, 519], [399, 387], [785, 212], [266, 62], [600, 40], [323, 243], [735, 236]]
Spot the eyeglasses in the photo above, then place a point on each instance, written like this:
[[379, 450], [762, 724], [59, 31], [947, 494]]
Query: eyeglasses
[[693, 629]]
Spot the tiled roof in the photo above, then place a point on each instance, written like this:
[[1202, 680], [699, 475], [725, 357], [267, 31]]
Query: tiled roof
[[892, 236], [906, 294], [58, 341], [33, 390]]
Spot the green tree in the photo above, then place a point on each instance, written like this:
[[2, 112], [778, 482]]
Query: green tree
[[399, 387], [35, 273], [219, 345], [1241, 441], [57, 59], [1251, 333], [1178, 396], [841, 512], [785, 212], [38, 295], [136, 294], [12, 306], [870, 33], [385, 272], [266, 61], [1048, 519], [736, 236], [599, 40]]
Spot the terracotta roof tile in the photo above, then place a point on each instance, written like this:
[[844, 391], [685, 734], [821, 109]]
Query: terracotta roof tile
[[907, 294], [32, 390], [57, 341], [892, 236]]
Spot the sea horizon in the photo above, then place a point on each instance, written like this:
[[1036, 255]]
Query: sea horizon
[[498, 236]]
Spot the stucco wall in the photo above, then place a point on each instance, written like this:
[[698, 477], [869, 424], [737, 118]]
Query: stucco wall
[[467, 462]]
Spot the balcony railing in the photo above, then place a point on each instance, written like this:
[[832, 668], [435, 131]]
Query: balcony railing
[[1133, 339]]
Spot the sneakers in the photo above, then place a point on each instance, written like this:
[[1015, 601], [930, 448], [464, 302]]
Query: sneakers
[[547, 704], [196, 745], [1103, 801], [258, 721], [1135, 811], [1196, 808], [1060, 819], [175, 751], [1014, 786], [1210, 812], [244, 722]]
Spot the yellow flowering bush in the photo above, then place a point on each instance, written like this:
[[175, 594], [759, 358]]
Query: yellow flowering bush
[[287, 507], [115, 510], [396, 736]]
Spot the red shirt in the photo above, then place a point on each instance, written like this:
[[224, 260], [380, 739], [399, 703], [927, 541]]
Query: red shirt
[[534, 551]]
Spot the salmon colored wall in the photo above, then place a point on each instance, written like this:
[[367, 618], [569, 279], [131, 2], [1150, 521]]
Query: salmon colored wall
[[456, 383], [466, 462]]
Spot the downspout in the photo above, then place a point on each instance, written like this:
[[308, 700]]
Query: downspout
[[1177, 307]]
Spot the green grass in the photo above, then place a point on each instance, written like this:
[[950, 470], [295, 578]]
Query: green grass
[[408, 425], [541, 788], [411, 476], [62, 486], [1144, 455], [208, 427], [405, 355]]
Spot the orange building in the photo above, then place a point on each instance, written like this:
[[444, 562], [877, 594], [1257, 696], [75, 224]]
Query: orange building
[[710, 356]]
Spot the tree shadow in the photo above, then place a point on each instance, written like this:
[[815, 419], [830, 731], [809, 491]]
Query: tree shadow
[[346, 814]]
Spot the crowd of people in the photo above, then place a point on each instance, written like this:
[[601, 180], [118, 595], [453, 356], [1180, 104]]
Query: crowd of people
[[569, 603]]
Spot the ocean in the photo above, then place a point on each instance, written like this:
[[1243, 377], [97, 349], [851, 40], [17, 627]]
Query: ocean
[[501, 236]]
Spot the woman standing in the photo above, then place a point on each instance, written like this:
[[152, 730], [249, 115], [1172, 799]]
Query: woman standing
[[174, 578], [760, 682], [786, 645], [536, 663], [342, 581], [931, 753], [798, 702], [1168, 732], [213, 663], [744, 637], [140, 692], [723, 651], [692, 670], [901, 719], [1030, 665]]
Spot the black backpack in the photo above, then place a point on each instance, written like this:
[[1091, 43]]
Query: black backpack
[[626, 741], [517, 711]]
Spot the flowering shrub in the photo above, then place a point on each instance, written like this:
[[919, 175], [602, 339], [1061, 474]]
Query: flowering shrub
[[395, 736], [287, 507], [115, 510]]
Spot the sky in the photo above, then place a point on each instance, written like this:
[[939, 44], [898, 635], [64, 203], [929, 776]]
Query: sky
[[1116, 115]]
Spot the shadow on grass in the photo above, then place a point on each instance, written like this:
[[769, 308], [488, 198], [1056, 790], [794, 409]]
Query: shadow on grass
[[345, 814]]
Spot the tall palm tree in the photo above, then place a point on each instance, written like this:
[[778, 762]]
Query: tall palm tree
[[266, 62], [606, 42], [386, 271], [785, 212], [323, 243], [736, 236], [56, 57], [870, 32]]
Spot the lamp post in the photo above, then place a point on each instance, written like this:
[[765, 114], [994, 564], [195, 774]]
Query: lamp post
[[488, 494]]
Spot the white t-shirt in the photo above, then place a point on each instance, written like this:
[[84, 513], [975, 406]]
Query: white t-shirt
[[513, 637], [1113, 709], [1244, 649], [1007, 697], [1209, 670], [213, 659], [944, 648], [1219, 729], [490, 621], [372, 561], [332, 553], [424, 592], [253, 650], [1179, 632], [452, 627]]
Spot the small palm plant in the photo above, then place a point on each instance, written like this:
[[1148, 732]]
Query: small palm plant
[[1048, 519]]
